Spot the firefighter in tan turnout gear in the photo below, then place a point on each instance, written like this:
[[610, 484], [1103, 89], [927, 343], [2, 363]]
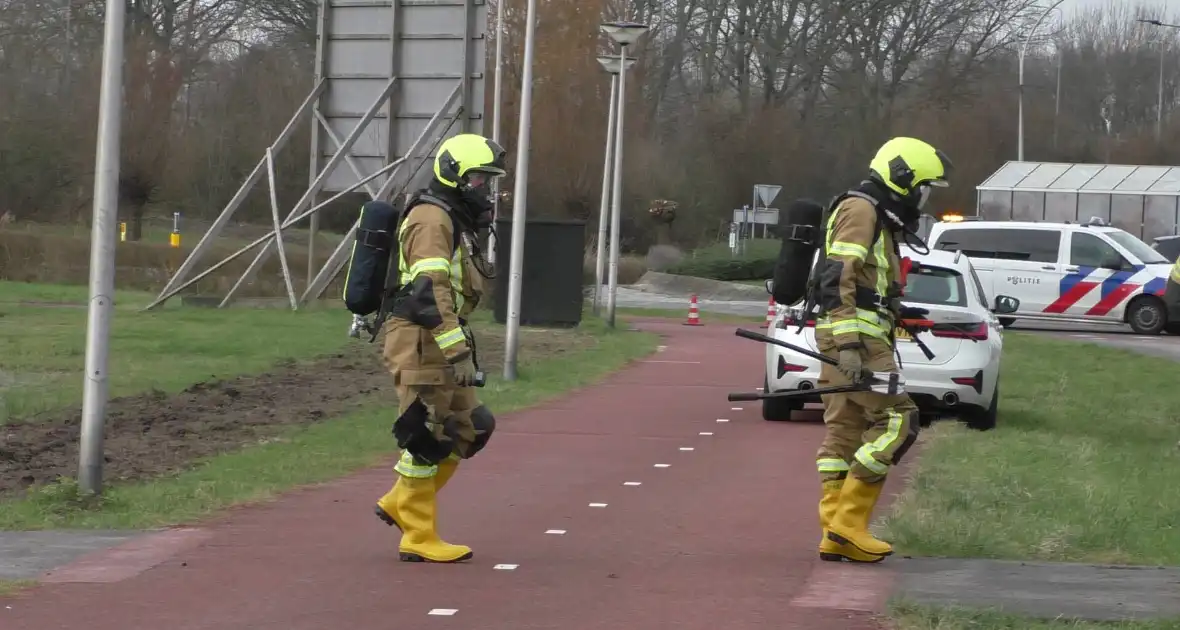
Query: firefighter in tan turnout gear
[[428, 347], [858, 286]]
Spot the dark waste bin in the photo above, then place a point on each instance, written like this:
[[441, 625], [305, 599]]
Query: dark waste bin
[[551, 279]]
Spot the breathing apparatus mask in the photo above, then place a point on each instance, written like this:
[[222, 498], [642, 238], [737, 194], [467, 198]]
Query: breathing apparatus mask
[[478, 194]]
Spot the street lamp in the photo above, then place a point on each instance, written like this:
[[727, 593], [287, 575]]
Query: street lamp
[[497, 104], [612, 66], [624, 34], [520, 196], [102, 250], [1159, 109], [1023, 50]]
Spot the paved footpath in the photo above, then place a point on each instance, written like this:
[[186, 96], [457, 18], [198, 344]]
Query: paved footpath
[[645, 502]]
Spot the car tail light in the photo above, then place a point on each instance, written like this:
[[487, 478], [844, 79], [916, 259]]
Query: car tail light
[[977, 331], [784, 367]]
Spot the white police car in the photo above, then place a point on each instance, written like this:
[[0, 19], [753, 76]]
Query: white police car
[[1087, 273], [963, 376]]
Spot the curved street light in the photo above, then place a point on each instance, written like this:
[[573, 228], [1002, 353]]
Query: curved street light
[[614, 66], [624, 34], [1023, 50]]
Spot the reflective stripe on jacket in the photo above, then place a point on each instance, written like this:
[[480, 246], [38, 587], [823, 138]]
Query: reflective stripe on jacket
[[857, 273]]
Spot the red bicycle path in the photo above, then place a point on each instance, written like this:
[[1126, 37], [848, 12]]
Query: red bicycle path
[[723, 536]]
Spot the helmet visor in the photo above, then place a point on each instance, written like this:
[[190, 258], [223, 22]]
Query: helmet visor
[[924, 194]]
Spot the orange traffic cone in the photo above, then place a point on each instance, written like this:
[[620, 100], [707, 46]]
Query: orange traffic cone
[[770, 313], [694, 315]]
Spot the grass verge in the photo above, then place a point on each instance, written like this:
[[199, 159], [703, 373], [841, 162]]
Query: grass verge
[[315, 454], [1080, 468], [43, 349], [12, 587], [907, 616]]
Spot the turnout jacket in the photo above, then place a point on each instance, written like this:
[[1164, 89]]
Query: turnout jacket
[[425, 331], [859, 273]]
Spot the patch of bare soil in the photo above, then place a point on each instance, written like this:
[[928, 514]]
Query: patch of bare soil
[[155, 433]]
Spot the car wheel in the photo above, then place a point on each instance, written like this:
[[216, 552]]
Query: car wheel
[[1007, 322], [1146, 316], [983, 419], [778, 409]]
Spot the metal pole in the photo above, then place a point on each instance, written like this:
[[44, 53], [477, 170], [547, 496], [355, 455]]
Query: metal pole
[[604, 206], [520, 198], [617, 191], [102, 251], [1020, 110], [1159, 110], [1020, 91], [1057, 101], [497, 103]]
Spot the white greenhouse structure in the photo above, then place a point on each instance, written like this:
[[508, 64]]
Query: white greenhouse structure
[[1139, 199]]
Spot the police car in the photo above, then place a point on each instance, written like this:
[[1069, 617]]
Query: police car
[[1066, 272], [963, 376]]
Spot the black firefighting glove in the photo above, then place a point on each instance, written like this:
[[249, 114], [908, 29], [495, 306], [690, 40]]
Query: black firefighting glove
[[851, 364], [913, 312]]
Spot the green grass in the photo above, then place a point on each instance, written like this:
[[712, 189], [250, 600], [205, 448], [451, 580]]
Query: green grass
[[908, 616], [12, 587], [319, 453], [1081, 467], [42, 349]]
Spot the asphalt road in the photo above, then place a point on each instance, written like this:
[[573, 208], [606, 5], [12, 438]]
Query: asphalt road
[[1167, 346]]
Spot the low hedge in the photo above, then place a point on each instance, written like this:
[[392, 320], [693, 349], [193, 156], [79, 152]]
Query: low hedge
[[716, 262]]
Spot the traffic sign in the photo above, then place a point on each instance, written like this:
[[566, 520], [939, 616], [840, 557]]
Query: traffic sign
[[766, 193]]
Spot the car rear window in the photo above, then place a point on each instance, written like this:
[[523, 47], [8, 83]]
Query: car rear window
[[935, 285]]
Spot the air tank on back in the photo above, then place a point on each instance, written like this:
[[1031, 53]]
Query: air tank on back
[[800, 234]]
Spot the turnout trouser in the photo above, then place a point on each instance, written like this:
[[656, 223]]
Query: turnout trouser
[[437, 426], [867, 432]]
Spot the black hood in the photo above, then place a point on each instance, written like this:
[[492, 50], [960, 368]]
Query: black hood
[[469, 214]]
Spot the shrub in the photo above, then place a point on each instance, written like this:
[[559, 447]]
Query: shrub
[[717, 263]]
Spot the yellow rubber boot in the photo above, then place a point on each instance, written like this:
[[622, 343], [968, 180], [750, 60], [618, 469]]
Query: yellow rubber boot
[[446, 470], [417, 513], [850, 524], [386, 508], [829, 550]]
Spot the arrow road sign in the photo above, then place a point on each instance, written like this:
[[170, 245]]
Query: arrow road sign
[[766, 193]]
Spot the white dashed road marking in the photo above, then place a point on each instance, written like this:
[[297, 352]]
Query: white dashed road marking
[[555, 531], [706, 433], [632, 483], [506, 567], [661, 465], [445, 612], [722, 419], [686, 448], [597, 505], [735, 408]]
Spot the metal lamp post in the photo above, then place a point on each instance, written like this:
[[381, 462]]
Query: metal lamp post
[[614, 68], [1159, 112], [1020, 92], [624, 34], [520, 197], [497, 104], [102, 251]]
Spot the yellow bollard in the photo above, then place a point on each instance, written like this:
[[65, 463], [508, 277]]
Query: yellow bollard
[[174, 237], [123, 231]]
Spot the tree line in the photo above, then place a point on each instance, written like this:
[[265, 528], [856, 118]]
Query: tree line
[[725, 94]]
